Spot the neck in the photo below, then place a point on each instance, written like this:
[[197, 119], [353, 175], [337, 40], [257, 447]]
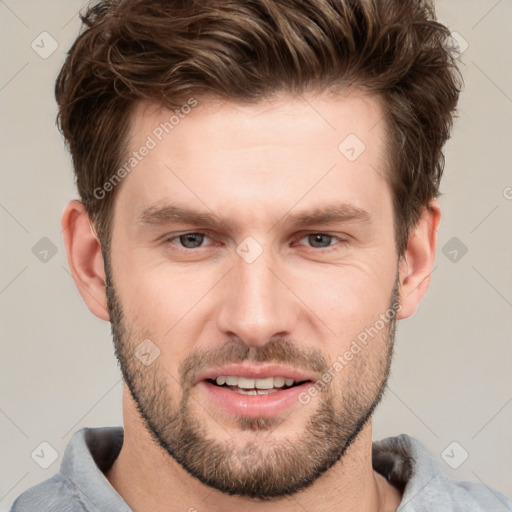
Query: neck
[[148, 479]]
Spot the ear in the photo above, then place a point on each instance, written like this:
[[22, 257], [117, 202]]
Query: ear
[[417, 263], [85, 259]]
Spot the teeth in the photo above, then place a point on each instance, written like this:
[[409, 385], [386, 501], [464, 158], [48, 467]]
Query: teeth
[[261, 383], [245, 383], [279, 382], [268, 383], [255, 391]]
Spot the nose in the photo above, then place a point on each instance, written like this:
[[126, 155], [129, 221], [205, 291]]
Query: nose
[[256, 305]]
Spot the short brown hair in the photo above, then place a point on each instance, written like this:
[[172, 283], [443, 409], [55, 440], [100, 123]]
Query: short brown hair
[[165, 51]]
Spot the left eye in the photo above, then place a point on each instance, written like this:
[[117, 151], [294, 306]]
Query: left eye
[[319, 240]]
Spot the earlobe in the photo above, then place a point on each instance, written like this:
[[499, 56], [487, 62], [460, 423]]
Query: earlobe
[[417, 263], [85, 258]]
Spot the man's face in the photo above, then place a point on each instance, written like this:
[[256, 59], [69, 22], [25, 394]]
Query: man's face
[[268, 295]]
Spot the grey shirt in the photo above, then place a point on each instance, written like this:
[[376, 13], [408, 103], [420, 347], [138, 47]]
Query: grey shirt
[[81, 486]]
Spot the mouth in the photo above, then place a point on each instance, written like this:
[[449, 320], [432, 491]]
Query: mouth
[[253, 387], [254, 391]]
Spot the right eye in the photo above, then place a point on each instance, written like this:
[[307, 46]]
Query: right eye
[[189, 240]]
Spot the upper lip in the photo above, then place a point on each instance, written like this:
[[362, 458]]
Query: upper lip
[[252, 371]]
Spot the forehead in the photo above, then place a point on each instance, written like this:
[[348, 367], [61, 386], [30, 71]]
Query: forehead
[[307, 115], [223, 156]]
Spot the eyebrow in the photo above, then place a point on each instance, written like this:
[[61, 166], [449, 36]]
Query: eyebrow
[[328, 214]]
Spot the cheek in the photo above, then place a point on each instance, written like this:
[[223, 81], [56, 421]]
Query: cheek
[[155, 291], [166, 305], [348, 299]]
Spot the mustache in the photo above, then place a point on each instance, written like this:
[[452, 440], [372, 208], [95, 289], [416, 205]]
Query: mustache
[[277, 350]]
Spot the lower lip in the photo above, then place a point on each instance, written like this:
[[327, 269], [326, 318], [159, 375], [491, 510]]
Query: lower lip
[[253, 406]]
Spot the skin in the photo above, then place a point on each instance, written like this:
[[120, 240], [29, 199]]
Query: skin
[[280, 157]]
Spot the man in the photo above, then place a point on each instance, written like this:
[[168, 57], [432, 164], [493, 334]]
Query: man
[[258, 186]]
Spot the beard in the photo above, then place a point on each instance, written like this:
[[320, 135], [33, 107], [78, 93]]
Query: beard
[[271, 466]]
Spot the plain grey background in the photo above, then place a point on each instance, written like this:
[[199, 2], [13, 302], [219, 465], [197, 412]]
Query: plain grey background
[[451, 383]]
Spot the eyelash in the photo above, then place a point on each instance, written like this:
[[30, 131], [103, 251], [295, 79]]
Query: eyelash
[[170, 239]]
